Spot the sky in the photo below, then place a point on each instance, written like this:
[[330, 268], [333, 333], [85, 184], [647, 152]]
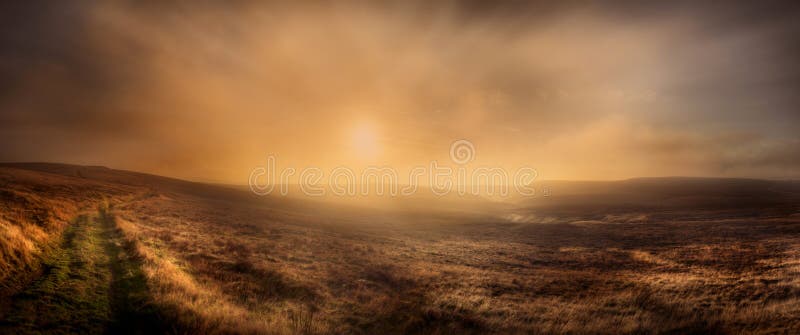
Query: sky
[[206, 90]]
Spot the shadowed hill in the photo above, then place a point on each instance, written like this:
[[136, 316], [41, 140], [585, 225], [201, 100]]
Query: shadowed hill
[[665, 194], [130, 178]]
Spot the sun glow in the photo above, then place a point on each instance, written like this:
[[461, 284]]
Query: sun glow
[[365, 143]]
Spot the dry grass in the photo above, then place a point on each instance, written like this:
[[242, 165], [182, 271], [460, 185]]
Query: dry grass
[[287, 272], [34, 209], [225, 262]]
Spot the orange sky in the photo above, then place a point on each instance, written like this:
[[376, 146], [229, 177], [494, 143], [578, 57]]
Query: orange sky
[[206, 92]]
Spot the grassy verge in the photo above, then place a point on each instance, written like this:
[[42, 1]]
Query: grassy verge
[[191, 308], [194, 307], [130, 298]]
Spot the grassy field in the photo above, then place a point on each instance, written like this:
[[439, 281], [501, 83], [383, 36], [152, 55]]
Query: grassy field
[[177, 257]]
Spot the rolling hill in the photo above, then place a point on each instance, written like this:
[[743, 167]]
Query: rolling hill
[[92, 249]]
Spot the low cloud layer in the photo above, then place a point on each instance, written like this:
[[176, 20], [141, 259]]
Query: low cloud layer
[[206, 90]]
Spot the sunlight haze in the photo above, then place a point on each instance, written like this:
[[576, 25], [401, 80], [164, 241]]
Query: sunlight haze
[[575, 91]]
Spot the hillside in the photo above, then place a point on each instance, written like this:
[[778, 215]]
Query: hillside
[[91, 249]]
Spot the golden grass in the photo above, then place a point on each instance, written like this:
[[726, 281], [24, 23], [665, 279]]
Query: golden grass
[[195, 308], [441, 279], [34, 209], [220, 263]]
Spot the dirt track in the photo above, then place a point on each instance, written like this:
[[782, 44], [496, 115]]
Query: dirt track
[[89, 284]]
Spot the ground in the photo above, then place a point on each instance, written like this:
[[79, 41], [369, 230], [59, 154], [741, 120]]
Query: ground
[[160, 255]]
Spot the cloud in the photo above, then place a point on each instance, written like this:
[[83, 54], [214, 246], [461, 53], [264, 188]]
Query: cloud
[[205, 90]]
